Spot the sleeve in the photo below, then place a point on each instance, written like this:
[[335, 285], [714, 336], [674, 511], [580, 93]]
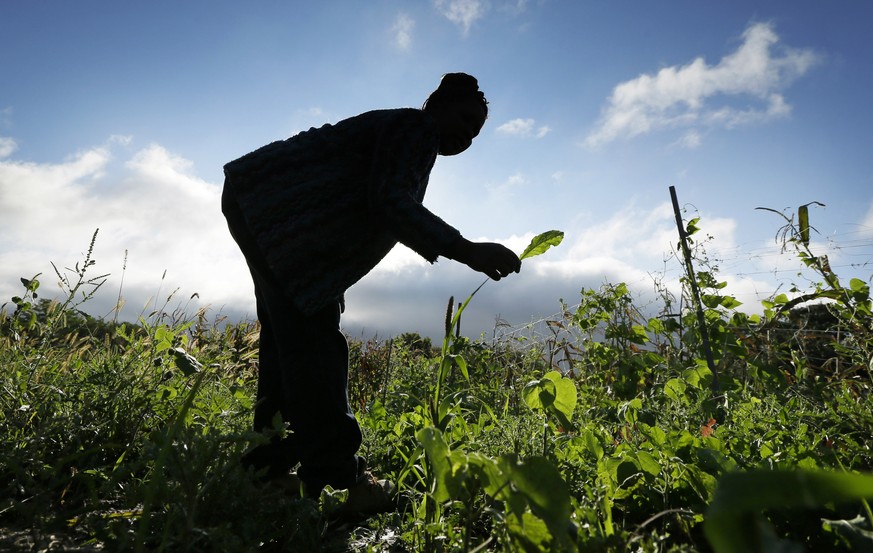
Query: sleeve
[[405, 153]]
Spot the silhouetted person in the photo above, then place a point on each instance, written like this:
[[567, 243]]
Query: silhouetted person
[[312, 215]]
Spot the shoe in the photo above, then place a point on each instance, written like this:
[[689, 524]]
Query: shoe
[[368, 497]]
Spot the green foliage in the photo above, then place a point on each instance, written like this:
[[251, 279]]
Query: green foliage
[[554, 394], [541, 243], [604, 435], [734, 523]]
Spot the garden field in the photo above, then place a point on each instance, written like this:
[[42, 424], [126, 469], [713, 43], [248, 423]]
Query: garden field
[[607, 430]]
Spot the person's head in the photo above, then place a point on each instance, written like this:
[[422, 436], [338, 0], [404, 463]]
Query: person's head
[[459, 109]]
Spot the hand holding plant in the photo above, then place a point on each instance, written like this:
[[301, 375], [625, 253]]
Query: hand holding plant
[[495, 260]]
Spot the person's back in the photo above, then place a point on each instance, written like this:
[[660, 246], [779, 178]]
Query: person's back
[[347, 193]]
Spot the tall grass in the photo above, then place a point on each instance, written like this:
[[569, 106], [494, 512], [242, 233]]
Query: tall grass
[[602, 435]]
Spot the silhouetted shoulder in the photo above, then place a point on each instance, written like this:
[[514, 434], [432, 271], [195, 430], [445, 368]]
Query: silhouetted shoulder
[[380, 120]]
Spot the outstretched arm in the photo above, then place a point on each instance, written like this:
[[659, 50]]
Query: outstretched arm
[[495, 260]]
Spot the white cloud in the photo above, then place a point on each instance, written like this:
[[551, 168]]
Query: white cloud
[[690, 140], [7, 146], [507, 187], [399, 259], [34, 196], [684, 96], [152, 207], [630, 233], [122, 139], [402, 31], [523, 127], [462, 12], [516, 126]]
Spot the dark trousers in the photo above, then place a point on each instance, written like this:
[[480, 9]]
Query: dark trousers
[[302, 382]]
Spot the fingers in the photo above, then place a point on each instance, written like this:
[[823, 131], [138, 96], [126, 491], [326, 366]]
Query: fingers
[[502, 262], [495, 260], [503, 267], [509, 262]]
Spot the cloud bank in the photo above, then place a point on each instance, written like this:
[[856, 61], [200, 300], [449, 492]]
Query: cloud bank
[[152, 209], [744, 87]]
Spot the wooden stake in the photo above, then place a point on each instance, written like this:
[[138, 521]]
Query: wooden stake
[[695, 292]]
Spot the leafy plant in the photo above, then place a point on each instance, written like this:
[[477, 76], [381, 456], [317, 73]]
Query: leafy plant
[[604, 434], [734, 523]]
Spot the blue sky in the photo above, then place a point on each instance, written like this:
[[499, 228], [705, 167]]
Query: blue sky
[[120, 115]]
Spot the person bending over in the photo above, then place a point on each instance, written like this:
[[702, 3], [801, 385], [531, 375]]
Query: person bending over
[[312, 215]]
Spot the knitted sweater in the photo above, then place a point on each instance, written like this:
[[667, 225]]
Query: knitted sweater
[[325, 206]]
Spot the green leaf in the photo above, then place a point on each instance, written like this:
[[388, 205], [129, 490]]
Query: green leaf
[[803, 223], [547, 494], [593, 444], [185, 362], [623, 472], [710, 300], [740, 496], [542, 242], [638, 335], [655, 435], [858, 285], [530, 533], [166, 393], [462, 364], [493, 479], [539, 394], [648, 463], [675, 390], [30, 284], [656, 326], [764, 489], [440, 460], [565, 394], [628, 410], [702, 482], [698, 377]]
